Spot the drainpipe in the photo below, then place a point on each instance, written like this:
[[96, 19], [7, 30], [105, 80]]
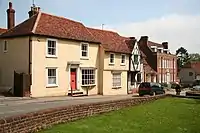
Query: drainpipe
[[161, 69], [30, 63], [129, 69], [173, 69]]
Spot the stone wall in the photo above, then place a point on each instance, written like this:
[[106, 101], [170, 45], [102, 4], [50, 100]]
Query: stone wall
[[33, 122]]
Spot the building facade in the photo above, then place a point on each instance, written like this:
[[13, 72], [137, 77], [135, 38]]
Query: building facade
[[160, 60], [189, 72], [114, 62]]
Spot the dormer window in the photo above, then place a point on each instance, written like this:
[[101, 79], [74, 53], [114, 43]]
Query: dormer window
[[154, 48], [166, 51], [160, 50]]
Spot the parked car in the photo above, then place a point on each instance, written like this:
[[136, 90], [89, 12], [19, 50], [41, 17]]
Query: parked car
[[149, 88], [196, 85]]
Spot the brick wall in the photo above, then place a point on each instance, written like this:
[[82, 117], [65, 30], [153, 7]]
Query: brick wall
[[36, 121]]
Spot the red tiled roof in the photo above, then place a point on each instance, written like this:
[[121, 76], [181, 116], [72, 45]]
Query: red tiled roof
[[147, 68], [194, 65], [52, 26], [2, 30], [111, 41]]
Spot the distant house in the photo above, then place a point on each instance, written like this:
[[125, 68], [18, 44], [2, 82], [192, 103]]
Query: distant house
[[159, 64], [189, 72]]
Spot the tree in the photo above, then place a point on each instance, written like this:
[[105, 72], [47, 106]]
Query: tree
[[194, 57], [183, 57]]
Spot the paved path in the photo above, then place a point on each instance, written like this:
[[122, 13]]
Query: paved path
[[183, 93], [10, 107]]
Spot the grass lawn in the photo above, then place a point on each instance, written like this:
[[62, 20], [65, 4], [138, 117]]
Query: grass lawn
[[169, 115]]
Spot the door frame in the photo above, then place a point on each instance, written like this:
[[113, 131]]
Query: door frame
[[77, 77]]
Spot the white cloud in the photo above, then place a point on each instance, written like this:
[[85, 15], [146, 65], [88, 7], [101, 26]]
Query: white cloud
[[178, 30]]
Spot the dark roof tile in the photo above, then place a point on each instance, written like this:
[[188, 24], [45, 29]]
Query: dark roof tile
[[111, 41], [2, 30], [53, 26]]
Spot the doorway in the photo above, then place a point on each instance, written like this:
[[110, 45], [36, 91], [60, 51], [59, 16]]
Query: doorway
[[73, 77]]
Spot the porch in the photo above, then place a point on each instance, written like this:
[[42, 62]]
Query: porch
[[82, 79]]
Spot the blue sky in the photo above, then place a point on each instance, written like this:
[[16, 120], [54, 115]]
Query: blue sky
[[115, 14], [96, 12]]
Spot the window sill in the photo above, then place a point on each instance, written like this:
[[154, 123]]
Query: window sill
[[123, 64], [117, 87], [112, 64], [88, 85], [84, 58], [51, 56], [51, 86]]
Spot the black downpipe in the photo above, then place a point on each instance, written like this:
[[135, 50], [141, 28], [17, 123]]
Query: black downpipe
[[129, 69], [30, 63], [173, 69], [161, 69]]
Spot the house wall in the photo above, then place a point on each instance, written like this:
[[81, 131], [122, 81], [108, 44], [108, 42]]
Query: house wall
[[101, 69], [166, 67], [67, 51], [15, 59], [185, 77], [107, 75]]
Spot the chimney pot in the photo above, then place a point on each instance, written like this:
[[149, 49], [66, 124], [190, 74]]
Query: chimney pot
[[34, 10], [10, 5], [165, 45]]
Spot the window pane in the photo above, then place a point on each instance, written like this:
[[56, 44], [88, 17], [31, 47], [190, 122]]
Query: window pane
[[52, 80], [123, 59], [84, 53], [117, 80], [51, 47], [88, 77]]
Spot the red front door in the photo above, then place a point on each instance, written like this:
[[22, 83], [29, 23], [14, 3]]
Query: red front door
[[73, 79]]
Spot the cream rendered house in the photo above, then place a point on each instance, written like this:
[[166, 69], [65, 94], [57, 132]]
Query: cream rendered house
[[61, 56], [114, 62]]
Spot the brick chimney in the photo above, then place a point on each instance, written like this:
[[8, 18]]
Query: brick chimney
[[165, 45], [143, 40], [34, 10], [132, 41], [10, 16]]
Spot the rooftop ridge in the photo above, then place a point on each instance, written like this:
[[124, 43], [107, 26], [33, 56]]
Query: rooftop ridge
[[61, 17], [103, 30], [154, 42]]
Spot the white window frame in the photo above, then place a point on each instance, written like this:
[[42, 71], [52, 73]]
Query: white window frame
[[47, 54], [5, 43], [155, 48], [160, 62], [94, 70], [123, 64], [112, 63], [119, 86], [47, 77], [84, 57]]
